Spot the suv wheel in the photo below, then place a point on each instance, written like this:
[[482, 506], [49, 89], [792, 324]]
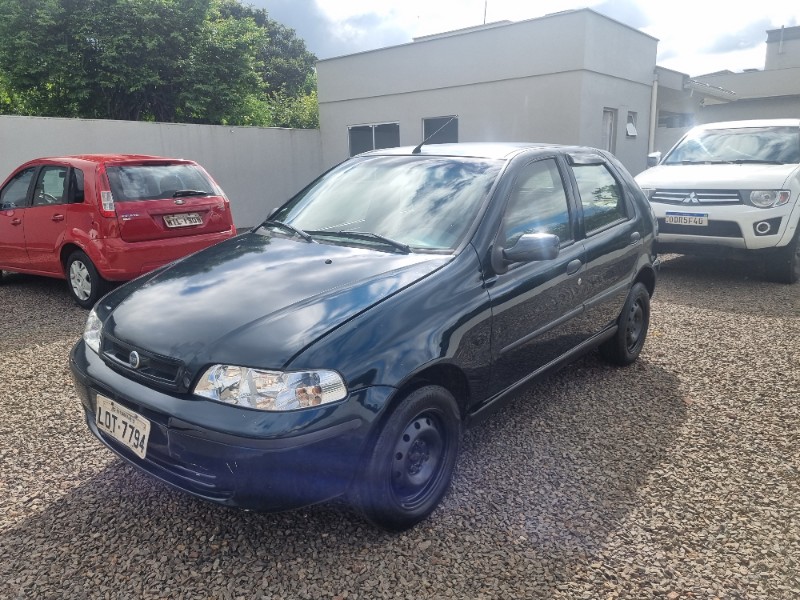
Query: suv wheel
[[632, 325], [83, 281], [411, 463], [784, 265]]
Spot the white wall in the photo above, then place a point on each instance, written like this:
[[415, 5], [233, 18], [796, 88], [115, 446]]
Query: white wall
[[259, 168]]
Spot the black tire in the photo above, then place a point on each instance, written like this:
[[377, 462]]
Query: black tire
[[626, 345], [408, 470], [784, 264], [83, 281]]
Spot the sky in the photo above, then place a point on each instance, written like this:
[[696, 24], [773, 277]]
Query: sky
[[695, 36]]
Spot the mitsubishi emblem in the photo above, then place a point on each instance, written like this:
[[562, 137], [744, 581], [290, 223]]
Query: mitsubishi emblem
[[691, 199]]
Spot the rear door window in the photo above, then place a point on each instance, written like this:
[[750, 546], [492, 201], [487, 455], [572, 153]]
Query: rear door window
[[155, 182], [601, 197], [51, 186]]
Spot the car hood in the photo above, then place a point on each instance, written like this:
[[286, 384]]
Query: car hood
[[722, 176], [255, 300]]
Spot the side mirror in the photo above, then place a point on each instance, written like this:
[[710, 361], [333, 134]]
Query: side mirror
[[653, 159], [533, 247]]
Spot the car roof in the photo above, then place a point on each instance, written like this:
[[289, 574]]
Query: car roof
[[750, 123], [109, 158], [495, 150]]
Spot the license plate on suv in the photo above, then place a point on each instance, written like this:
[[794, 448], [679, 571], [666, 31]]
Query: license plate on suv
[[681, 218], [124, 425], [183, 220]]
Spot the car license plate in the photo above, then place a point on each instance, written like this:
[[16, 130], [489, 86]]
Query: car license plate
[[681, 218], [125, 426], [183, 220]]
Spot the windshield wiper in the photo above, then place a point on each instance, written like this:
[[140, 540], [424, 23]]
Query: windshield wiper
[[182, 193], [369, 236], [756, 161], [287, 227]]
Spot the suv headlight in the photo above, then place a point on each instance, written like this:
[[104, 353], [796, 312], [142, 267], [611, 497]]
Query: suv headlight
[[270, 390], [769, 198], [93, 331]]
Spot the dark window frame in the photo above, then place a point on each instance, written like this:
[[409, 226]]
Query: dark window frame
[[373, 127]]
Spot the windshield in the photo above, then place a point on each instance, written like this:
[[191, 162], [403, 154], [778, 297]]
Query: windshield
[[779, 145], [153, 182], [426, 203]]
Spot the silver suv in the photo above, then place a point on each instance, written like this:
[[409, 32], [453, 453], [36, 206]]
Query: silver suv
[[732, 187]]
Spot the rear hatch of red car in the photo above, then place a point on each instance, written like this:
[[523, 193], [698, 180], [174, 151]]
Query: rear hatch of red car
[[163, 199]]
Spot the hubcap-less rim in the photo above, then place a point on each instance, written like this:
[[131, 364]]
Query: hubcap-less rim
[[417, 460], [80, 280], [635, 325]]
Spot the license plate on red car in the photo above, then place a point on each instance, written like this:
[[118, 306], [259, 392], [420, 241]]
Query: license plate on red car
[[124, 425], [183, 220]]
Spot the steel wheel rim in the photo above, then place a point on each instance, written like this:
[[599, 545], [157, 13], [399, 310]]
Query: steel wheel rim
[[418, 458], [80, 280], [635, 325]]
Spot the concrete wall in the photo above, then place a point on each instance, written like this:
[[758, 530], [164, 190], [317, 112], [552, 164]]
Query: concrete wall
[[542, 80], [259, 168]]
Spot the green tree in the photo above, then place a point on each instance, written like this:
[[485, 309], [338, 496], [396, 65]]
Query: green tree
[[199, 61]]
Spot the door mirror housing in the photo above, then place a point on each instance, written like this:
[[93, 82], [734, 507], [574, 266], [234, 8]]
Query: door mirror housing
[[533, 247], [653, 159]]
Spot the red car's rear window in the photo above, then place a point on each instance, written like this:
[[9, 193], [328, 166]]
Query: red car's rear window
[[153, 182]]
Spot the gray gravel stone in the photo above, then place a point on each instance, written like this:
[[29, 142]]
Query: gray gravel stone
[[678, 477]]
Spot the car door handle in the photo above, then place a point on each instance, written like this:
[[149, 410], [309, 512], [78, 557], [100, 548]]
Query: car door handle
[[58, 217], [16, 221], [574, 266], [636, 237]]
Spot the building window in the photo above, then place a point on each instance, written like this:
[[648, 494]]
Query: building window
[[440, 130], [630, 127], [373, 137], [672, 120], [609, 130]]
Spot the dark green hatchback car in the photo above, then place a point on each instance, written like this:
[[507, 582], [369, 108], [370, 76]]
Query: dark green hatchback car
[[343, 346]]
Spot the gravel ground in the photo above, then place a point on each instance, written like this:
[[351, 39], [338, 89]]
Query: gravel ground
[[678, 477]]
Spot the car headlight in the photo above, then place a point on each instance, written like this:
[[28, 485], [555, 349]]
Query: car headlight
[[270, 390], [769, 198], [93, 331]]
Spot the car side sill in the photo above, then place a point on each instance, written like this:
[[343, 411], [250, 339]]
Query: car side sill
[[488, 407]]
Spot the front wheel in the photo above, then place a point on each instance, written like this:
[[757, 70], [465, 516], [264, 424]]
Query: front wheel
[[409, 468], [626, 345], [784, 266], [83, 281]]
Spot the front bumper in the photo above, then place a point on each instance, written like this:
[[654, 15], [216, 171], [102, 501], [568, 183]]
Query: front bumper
[[738, 227], [285, 460]]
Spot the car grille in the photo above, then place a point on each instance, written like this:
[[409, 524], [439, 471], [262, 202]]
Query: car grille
[[714, 229], [156, 370], [695, 197]]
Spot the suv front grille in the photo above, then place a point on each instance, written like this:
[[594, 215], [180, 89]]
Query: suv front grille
[[695, 197], [158, 371]]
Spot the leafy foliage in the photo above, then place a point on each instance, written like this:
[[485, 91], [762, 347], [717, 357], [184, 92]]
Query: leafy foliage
[[194, 61]]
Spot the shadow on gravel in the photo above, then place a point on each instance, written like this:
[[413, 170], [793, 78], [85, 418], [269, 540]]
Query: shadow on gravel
[[540, 489], [720, 284]]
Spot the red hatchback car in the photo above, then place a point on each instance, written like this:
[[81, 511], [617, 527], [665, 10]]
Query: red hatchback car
[[93, 219]]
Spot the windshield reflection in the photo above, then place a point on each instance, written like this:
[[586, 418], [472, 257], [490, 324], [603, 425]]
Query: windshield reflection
[[425, 202], [745, 144]]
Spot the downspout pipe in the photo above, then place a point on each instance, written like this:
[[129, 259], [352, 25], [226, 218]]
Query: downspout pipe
[[651, 142]]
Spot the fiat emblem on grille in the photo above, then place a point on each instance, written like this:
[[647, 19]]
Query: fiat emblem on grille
[[133, 359], [691, 199]]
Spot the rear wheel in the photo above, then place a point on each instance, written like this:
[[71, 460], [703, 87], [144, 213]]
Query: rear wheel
[[627, 343], [410, 466], [83, 281], [784, 266]]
